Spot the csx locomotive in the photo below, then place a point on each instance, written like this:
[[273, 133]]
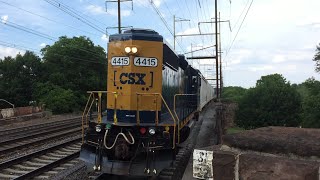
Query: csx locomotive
[[152, 96]]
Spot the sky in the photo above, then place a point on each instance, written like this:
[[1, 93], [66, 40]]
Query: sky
[[275, 36]]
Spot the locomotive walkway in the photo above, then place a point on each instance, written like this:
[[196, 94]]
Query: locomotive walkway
[[207, 136]]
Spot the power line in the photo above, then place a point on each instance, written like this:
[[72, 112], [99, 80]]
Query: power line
[[37, 33], [79, 13], [11, 45], [28, 30], [72, 13], [164, 21], [46, 18], [239, 29], [200, 49], [164, 2], [243, 10]]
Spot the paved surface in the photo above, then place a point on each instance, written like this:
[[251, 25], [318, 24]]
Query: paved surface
[[205, 138]]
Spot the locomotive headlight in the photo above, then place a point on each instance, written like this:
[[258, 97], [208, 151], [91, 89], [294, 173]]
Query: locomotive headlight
[[152, 131], [98, 128], [127, 49], [134, 50]]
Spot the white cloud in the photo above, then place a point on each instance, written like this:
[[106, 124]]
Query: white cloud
[[98, 10], [146, 3], [4, 18], [189, 31], [114, 12], [261, 68], [105, 38], [8, 51], [43, 45], [279, 59], [236, 61]]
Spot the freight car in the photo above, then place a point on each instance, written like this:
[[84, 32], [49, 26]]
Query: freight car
[[152, 96]]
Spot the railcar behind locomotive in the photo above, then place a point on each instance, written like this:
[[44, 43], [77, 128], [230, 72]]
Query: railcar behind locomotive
[[152, 96]]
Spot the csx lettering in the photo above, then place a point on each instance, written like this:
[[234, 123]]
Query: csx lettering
[[132, 78]]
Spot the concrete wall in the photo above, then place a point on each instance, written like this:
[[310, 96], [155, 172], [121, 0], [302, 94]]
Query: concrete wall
[[19, 111], [7, 113]]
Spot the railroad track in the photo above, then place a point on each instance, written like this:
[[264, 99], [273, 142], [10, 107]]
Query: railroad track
[[13, 144], [28, 138], [12, 132], [43, 163]]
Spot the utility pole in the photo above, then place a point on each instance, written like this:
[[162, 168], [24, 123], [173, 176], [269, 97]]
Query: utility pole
[[221, 82], [176, 19], [191, 53], [174, 32], [217, 56], [119, 11], [119, 18]]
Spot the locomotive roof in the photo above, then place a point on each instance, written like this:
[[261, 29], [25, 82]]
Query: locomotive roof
[[137, 34]]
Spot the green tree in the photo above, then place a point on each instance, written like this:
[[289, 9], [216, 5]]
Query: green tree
[[18, 77], [311, 104], [55, 98], [273, 102], [75, 64], [233, 93], [316, 58]]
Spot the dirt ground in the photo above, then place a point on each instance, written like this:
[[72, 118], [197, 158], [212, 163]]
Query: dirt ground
[[283, 140]]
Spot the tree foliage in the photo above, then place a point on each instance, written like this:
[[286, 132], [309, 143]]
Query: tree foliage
[[68, 68], [316, 58], [233, 93], [18, 77], [56, 98], [75, 64], [311, 104], [273, 102]]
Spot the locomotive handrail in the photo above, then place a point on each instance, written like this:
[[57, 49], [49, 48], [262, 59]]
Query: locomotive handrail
[[85, 116], [87, 110], [165, 103], [174, 110]]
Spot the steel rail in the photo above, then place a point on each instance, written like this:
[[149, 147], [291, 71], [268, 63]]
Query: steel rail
[[18, 160], [37, 141], [27, 134], [36, 154], [38, 126]]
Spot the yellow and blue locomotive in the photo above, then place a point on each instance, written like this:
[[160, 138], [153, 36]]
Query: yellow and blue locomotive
[[152, 96]]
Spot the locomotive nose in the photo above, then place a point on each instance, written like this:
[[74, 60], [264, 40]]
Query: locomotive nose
[[122, 150]]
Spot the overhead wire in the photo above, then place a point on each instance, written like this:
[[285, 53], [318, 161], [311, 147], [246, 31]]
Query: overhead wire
[[243, 10], [37, 33], [79, 13], [11, 45], [227, 52], [165, 22], [41, 16], [28, 30], [67, 10]]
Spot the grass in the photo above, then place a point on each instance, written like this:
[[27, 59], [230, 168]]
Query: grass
[[233, 130]]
